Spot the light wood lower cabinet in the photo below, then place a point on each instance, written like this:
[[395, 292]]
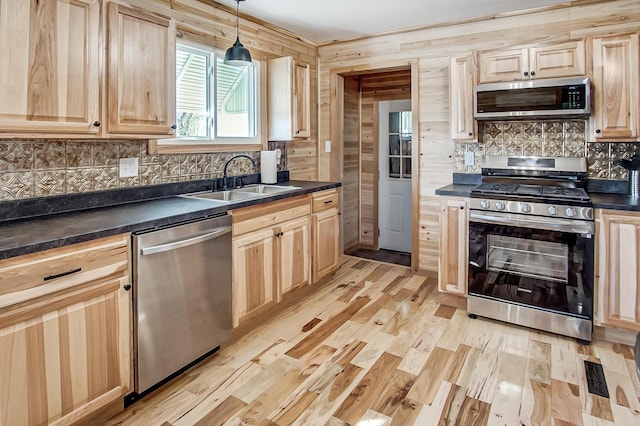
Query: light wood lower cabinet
[[254, 276], [454, 245], [618, 269], [294, 254], [326, 234], [65, 332], [271, 254]]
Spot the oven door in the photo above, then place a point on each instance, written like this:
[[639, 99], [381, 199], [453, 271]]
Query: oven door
[[536, 262]]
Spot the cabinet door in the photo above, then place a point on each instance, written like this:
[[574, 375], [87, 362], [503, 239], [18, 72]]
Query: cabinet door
[[619, 269], [504, 65], [254, 279], [289, 99], [559, 60], [49, 77], [294, 257], [141, 72], [64, 357], [615, 80], [326, 242], [461, 82], [454, 242], [302, 115]]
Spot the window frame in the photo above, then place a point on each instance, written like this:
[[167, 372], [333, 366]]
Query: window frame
[[177, 145]]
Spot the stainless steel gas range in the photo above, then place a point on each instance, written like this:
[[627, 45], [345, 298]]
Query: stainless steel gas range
[[531, 244]]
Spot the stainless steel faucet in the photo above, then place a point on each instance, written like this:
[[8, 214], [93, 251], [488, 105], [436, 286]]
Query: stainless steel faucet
[[226, 165]]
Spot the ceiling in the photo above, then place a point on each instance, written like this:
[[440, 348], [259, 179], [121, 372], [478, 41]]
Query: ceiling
[[327, 20]]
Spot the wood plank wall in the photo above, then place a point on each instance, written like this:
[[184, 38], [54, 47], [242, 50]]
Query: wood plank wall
[[431, 47], [350, 205], [386, 86], [214, 24]]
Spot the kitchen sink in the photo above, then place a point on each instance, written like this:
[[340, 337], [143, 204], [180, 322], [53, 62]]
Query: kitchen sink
[[224, 196], [245, 193], [266, 189]]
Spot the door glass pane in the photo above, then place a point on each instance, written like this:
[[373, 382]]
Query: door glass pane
[[405, 121], [394, 145], [394, 122], [406, 168], [406, 145], [394, 167]]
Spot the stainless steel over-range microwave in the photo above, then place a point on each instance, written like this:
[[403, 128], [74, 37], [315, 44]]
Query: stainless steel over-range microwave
[[550, 98]]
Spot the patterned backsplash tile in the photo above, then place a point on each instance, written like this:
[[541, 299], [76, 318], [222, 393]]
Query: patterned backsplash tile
[[40, 168], [557, 138]]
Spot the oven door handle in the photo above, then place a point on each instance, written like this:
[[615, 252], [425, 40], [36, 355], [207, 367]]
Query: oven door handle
[[571, 226]]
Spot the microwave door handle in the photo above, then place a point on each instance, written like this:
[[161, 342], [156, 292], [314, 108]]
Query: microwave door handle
[[570, 226]]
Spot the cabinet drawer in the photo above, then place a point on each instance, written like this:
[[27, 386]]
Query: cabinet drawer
[[269, 214], [33, 275], [324, 200]]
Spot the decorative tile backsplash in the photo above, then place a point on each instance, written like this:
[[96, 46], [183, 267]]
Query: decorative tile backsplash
[[40, 168], [557, 138]]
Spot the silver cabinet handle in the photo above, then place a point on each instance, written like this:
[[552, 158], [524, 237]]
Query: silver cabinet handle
[[187, 242]]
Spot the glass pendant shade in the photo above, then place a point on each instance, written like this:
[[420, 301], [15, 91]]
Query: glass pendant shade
[[237, 55]]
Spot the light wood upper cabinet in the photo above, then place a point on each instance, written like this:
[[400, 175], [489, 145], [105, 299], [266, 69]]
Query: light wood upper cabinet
[[462, 79], [618, 269], [557, 60], [326, 233], [289, 99], [615, 82], [141, 72], [49, 75], [504, 65], [65, 332], [454, 243]]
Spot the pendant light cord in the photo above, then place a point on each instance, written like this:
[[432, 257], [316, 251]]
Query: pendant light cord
[[237, 19]]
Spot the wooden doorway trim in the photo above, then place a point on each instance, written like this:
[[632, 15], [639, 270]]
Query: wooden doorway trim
[[336, 125]]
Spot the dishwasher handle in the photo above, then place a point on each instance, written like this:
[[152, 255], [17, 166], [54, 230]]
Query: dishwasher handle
[[186, 242]]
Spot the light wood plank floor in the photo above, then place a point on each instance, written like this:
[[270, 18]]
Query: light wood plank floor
[[380, 346]]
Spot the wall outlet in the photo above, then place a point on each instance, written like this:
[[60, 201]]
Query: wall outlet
[[327, 146], [128, 167], [469, 158]]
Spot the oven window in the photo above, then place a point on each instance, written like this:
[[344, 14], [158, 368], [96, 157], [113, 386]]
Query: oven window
[[528, 258]]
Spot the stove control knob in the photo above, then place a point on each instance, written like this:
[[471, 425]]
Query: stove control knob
[[525, 208], [552, 210], [484, 204], [570, 212], [500, 205]]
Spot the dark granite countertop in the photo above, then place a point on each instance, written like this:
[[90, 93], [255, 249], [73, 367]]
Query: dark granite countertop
[[614, 201], [605, 194], [455, 190], [33, 234]]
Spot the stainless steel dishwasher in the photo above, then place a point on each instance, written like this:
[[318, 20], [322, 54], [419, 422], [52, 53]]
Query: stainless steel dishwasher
[[182, 297]]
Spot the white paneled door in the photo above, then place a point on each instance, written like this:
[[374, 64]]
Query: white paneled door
[[394, 181]]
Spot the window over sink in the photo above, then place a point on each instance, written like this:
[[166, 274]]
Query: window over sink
[[215, 101], [218, 106]]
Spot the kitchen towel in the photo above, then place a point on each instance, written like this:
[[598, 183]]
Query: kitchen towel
[[268, 169]]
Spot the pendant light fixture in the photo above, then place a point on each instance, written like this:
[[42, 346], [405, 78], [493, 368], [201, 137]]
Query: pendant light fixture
[[237, 54]]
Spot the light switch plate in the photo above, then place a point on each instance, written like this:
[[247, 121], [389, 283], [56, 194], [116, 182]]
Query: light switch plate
[[327, 146], [469, 158], [128, 167]]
